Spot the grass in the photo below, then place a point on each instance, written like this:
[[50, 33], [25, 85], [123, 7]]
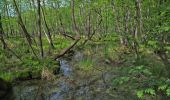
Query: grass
[[86, 64]]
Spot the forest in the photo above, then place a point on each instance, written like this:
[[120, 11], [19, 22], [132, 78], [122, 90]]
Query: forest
[[84, 49]]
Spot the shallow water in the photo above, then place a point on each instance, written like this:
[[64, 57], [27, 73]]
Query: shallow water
[[65, 68], [45, 90], [70, 86]]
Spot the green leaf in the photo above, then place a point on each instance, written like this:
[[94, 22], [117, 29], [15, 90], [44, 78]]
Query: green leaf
[[140, 93], [150, 91], [168, 92], [146, 71], [162, 87], [140, 67]]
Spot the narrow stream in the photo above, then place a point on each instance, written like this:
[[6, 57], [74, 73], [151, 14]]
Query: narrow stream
[[64, 86], [65, 68], [69, 86], [45, 90]]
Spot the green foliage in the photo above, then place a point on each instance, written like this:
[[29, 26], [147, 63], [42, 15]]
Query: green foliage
[[109, 22], [150, 91], [6, 75], [11, 67], [86, 64], [121, 80], [60, 42], [162, 87], [140, 70], [153, 44], [140, 80], [140, 93], [168, 92], [110, 37]]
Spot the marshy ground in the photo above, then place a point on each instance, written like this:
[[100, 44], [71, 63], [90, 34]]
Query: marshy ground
[[98, 70]]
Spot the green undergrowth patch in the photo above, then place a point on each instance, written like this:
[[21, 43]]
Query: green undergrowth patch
[[60, 42], [12, 68], [25, 69], [86, 64], [102, 48], [144, 77], [20, 46]]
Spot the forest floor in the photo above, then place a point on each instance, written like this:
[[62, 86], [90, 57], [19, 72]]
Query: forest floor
[[99, 70]]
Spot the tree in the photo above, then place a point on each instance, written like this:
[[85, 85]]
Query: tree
[[25, 32], [1, 35], [48, 34], [39, 28]]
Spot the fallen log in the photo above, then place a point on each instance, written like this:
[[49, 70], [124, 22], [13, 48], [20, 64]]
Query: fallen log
[[65, 50]]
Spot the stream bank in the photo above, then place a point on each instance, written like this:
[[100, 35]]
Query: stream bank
[[72, 83]]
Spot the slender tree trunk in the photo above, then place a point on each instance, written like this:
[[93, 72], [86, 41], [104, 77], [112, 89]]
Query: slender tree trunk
[[117, 22], [126, 21], [39, 28], [60, 22], [25, 32], [74, 25], [9, 23], [106, 26], [4, 45], [138, 19], [89, 20], [1, 35], [48, 34], [137, 31], [75, 29]]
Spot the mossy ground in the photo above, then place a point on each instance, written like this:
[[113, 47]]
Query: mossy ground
[[11, 67], [129, 75]]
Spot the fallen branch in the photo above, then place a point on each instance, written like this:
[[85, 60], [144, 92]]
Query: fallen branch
[[64, 51], [66, 35]]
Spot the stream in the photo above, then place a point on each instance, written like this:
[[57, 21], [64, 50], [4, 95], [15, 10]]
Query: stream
[[69, 86], [43, 89]]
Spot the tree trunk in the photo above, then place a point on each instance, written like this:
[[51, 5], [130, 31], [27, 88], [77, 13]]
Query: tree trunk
[[75, 29], [25, 32], [48, 34], [74, 25], [4, 46], [138, 19], [39, 29]]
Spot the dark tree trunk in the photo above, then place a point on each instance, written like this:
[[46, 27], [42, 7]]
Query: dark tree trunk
[[25, 32], [39, 28], [1, 35]]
